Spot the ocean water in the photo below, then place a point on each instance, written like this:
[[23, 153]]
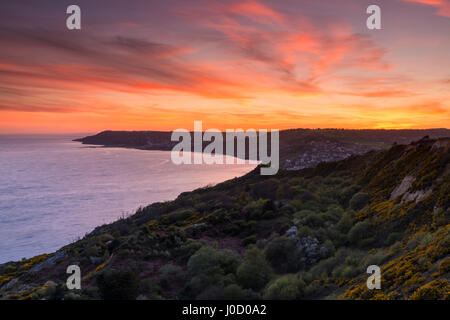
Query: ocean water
[[53, 190]]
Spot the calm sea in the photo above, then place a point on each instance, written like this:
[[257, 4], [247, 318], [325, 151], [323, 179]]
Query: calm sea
[[53, 190]]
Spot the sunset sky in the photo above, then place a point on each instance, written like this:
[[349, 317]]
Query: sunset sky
[[160, 65]]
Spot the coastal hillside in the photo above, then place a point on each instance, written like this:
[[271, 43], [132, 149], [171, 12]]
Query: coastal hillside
[[299, 148], [301, 234]]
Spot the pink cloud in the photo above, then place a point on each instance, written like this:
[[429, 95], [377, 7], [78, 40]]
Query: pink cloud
[[255, 10], [443, 6]]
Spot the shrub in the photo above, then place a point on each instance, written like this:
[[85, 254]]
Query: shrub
[[211, 270], [347, 193], [444, 266], [57, 293], [260, 209], [187, 249], [330, 246], [426, 240], [431, 291], [120, 285], [288, 287], [170, 273], [234, 292], [254, 271], [92, 251], [313, 220], [395, 248], [345, 223], [329, 216], [178, 216], [303, 213], [146, 284], [282, 255], [266, 189], [374, 258], [250, 240], [219, 216], [208, 259], [359, 201], [211, 293], [393, 238], [359, 231], [284, 191], [304, 231]]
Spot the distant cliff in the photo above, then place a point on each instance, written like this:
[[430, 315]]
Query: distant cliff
[[150, 140], [299, 148]]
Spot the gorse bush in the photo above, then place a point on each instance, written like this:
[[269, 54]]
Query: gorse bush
[[433, 290], [444, 266]]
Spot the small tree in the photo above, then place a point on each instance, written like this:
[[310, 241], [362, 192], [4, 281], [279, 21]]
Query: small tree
[[254, 271]]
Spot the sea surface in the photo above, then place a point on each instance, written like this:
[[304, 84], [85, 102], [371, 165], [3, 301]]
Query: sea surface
[[54, 190]]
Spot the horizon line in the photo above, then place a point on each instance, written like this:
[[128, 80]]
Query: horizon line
[[168, 131]]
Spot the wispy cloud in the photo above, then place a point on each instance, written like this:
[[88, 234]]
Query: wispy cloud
[[246, 62], [442, 6]]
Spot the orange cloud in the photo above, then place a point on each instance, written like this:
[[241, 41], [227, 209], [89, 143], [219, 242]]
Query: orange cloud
[[254, 10], [247, 63], [380, 94], [443, 6]]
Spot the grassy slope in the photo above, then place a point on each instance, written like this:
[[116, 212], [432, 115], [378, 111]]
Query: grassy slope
[[211, 243]]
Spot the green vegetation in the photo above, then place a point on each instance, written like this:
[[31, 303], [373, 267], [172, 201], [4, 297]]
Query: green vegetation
[[287, 287], [283, 255], [254, 271], [359, 200], [120, 285], [306, 234]]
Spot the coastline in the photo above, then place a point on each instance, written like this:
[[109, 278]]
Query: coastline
[[70, 185], [298, 148], [227, 220]]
